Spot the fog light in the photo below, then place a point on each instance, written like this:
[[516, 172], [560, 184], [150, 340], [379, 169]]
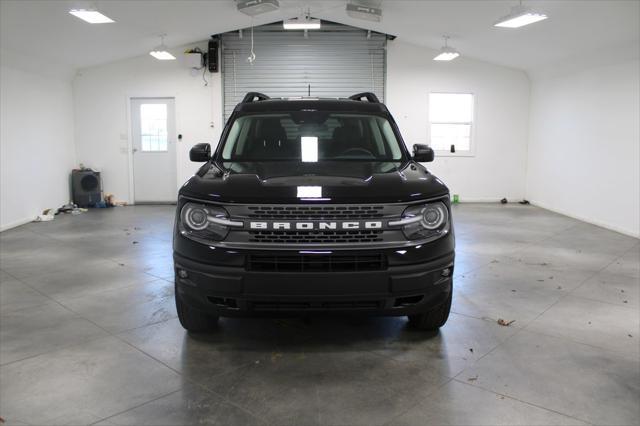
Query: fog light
[[446, 272], [182, 273]]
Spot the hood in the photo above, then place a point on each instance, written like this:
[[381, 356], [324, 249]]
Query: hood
[[335, 182]]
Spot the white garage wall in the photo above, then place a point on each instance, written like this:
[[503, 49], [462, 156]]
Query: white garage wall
[[502, 97], [36, 144], [584, 149], [101, 97], [502, 113]]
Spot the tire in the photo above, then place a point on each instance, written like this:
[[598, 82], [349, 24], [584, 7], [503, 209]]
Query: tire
[[434, 318], [193, 320]]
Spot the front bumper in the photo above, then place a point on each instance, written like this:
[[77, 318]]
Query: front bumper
[[398, 289]]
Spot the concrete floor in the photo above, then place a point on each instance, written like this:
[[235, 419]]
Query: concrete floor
[[88, 334]]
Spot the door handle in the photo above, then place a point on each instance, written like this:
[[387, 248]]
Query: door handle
[[134, 150]]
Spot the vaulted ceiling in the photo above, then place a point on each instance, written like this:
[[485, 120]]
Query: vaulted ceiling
[[576, 31]]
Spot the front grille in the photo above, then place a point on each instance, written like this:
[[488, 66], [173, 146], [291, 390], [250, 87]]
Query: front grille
[[294, 238], [316, 262], [320, 237], [333, 212], [302, 306]]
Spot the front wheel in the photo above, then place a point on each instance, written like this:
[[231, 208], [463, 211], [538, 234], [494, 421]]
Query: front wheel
[[434, 318], [193, 320]]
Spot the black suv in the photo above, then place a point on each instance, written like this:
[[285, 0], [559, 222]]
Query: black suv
[[311, 205]]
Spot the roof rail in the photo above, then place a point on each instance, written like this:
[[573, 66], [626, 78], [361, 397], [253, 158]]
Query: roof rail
[[370, 97], [249, 97]]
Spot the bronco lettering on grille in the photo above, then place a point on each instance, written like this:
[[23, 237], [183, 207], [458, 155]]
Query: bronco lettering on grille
[[315, 225]]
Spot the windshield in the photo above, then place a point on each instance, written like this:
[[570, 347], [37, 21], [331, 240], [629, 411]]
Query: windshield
[[311, 136]]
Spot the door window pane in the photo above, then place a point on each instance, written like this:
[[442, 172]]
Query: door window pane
[[153, 127], [451, 119]]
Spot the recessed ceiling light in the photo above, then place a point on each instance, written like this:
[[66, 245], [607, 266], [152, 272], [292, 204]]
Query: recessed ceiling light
[[447, 53], [91, 16], [519, 17], [161, 52]]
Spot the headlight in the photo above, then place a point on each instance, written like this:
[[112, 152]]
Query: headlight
[[204, 222], [195, 217], [429, 221], [434, 216]]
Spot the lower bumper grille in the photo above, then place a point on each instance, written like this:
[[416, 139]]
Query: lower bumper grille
[[302, 306], [319, 237], [317, 263]]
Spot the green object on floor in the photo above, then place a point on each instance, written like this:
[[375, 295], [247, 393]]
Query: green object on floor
[[456, 199]]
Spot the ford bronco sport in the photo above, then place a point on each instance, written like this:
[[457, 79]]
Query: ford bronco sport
[[312, 205]]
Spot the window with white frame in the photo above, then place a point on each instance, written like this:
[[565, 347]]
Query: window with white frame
[[153, 127], [451, 122]]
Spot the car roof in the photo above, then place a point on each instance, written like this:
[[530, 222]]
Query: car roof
[[299, 104]]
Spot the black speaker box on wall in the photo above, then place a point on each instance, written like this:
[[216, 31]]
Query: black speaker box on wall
[[212, 55], [86, 188]]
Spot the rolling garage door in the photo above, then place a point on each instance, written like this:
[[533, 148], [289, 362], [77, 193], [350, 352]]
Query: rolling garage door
[[336, 61]]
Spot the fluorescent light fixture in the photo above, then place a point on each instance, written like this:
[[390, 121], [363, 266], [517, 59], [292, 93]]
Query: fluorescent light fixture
[[309, 149], [257, 7], [446, 53], [519, 17], [162, 55], [303, 23], [361, 11], [309, 192], [161, 52], [91, 16]]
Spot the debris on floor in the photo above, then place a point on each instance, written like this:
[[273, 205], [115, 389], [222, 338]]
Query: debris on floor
[[110, 201], [505, 323], [524, 202], [46, 216], [472, 379], [504, 201], [71, 209], [49, 214]]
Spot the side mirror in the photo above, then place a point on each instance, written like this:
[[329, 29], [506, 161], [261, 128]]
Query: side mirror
[[200, 153], [422, 153]]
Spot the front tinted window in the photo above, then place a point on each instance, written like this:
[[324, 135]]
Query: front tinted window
[[311, 136]]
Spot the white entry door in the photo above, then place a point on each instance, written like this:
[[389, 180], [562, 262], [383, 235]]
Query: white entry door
[[154, 150]]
